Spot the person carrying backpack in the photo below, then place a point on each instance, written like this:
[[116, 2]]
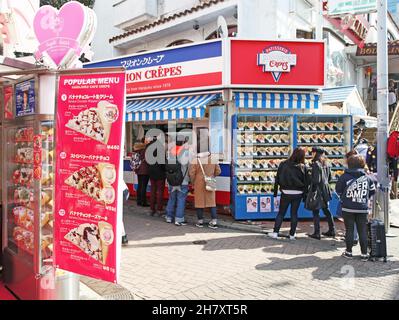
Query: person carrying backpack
[[355, 188], [140, 166], [178, 159]]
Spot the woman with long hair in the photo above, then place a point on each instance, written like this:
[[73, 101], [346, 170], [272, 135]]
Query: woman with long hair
[[320, 181], [292, 182]]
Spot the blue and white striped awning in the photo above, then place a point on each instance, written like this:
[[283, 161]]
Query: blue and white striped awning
[[171, 108], [262, 100]]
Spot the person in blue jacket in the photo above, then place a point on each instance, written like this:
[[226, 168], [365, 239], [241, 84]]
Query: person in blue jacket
[[355, 188]]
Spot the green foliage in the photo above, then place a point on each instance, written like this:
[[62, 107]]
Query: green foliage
[[58, 3]]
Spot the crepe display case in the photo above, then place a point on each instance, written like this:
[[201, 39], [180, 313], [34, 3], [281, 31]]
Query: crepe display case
[[261, 143], [27, 206]]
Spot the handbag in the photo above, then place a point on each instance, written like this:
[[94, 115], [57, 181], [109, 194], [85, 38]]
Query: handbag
[[314, 200], [210, 182]]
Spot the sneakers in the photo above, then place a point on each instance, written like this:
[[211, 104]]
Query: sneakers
[[292, 238], [347, 255], [273, 235], [168, 220], [125, 240], [199, 224], [212, 225], [364, 257], [314, 236], [329, 234], [179, 224]]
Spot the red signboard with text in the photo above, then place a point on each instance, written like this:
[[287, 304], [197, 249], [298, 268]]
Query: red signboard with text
[[89, 125], [285, 64]]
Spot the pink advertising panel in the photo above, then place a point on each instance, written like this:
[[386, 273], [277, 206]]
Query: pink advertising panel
[[89, 128]]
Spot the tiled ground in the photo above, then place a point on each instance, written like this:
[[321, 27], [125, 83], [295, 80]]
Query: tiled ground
[[163, 261]]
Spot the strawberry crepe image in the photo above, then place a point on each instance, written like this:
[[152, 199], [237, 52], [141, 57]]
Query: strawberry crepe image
[[95, 181], [94, 240], [95, 123]]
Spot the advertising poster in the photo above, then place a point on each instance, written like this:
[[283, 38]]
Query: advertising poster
[[88, 206], [266, 204], [252, 204], [25, 98], [8, 102]]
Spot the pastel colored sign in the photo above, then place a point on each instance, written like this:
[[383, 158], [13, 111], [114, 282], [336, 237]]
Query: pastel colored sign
[[88, 202], [189, 67], [273, 64], [64, 34]]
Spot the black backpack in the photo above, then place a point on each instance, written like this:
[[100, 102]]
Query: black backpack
[[174, 174]]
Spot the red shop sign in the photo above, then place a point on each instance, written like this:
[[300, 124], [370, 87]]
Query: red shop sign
[[284, 64]]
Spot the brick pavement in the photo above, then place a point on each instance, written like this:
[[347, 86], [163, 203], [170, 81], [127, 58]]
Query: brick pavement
[[162, 262]]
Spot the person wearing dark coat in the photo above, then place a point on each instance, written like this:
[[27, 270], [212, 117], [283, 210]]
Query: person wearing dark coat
[[320, 179], [156, 159], [291, 179], [142, 174]]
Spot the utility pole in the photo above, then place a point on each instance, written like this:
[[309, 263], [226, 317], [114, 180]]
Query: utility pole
[[382, 113]]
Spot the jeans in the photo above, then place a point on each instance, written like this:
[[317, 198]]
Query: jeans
[[177, 203], [200, 213], [360, 220], [285, 202], [142, 189], [316, 220], [157, 189]]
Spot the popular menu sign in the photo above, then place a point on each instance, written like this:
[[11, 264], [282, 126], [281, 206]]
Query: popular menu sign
[[188, 67], [88, 172]]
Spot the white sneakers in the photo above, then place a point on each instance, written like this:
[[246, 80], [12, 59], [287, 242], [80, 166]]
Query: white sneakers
[[273, 235]]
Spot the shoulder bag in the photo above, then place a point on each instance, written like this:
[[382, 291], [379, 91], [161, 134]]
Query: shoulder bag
[[210, 182]]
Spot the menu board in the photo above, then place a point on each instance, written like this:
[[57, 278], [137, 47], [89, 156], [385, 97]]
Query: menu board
[[8, 93], [88, 172], [25, 98]]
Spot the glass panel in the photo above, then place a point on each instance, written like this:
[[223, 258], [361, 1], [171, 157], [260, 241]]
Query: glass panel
[[20, 190], [47, 187], [330, 133], [263, 142]]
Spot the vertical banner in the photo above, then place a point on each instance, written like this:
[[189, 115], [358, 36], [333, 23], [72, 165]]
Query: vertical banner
[[88, 206], [8, 93]]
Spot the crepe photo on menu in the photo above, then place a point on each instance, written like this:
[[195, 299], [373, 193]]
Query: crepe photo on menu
[[95, 123], [95, 181], [92, 239]]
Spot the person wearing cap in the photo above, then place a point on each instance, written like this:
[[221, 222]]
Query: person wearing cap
[[320, 180]]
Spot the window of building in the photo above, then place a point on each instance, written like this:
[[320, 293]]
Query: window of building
[[302, 34], [232, 33], [179, 42], [336, 60]]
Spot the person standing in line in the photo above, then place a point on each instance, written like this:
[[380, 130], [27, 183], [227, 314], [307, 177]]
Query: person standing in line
[[155, 155], [392, 100], [320, 181], [355, 189], [142, 173], [200, 168], [292, 180], [178, 160], [126, 194]]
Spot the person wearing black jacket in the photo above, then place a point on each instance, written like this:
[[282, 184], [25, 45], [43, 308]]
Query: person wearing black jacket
[[319, 181], [156, 159], [355, 188], [291, 180]]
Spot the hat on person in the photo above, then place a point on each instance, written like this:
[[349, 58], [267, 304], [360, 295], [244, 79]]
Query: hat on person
[[318, 150]]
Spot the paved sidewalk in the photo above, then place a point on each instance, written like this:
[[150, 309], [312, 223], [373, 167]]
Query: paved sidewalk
[[163, 261]]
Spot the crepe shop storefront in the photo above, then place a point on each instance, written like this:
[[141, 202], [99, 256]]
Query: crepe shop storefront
[[250, 102]]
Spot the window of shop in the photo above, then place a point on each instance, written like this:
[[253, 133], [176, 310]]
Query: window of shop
[[336, 60], [217, 129], [302, 34]]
